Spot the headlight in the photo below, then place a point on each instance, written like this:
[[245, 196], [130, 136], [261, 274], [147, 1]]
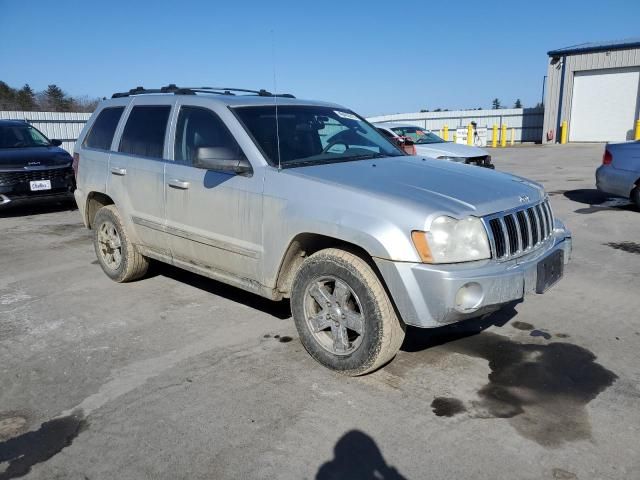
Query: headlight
[[453, 159], [451, 241]]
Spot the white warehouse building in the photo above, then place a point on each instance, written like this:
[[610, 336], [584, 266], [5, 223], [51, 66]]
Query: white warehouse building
[[595, 89]]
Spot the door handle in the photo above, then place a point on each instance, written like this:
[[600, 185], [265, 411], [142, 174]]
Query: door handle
[[175, 183], [119, 171]]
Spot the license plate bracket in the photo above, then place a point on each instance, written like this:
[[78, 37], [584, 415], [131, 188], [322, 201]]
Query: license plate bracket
[[550, 270], [37, 185]]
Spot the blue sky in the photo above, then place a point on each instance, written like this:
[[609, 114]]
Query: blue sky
[[374, 56]]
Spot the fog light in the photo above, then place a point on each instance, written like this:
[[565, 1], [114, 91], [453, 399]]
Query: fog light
[[469, 297]]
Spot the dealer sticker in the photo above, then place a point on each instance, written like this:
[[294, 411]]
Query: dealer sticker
[[36, 185]]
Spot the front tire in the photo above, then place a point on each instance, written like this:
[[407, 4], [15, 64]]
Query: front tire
[[343, 314], [118, 257], [635, 196]]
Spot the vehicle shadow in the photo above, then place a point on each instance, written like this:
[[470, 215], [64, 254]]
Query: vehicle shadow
[[597, 200], [357, 457], [37, 207], [417, 339], [281, 309]]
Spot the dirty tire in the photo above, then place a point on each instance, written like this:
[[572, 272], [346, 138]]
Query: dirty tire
[[635, 196], [383, 330], [132, 264]]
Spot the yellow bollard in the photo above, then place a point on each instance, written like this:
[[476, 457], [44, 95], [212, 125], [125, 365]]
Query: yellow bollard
[[469, 134], [503, 135], [513, 136], [494, 136], [446, 133], [637, 135], [563, 132], [455, 137]]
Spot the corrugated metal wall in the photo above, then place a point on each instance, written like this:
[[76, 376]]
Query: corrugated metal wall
[[527, 122], [575, 63], [65, 126]]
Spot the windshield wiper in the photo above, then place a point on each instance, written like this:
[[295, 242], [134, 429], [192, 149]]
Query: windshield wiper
[[366, 156]]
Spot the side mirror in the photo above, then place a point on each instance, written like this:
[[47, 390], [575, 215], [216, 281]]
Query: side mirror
[[55, 142], [222, 159]]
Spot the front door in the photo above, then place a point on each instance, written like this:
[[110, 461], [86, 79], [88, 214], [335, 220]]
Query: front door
[[214, 219]]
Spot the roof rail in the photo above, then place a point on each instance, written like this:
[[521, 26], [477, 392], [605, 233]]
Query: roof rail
[[173, 88]]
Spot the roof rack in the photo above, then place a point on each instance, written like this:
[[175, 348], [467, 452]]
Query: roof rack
[[172, 88]]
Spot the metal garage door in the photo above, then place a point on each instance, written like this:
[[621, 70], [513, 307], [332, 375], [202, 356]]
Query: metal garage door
[[604, 106]]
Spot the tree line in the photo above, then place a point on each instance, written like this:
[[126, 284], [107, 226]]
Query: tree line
[[52, 99], [496, 104]]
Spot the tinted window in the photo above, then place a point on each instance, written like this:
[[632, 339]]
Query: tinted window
[[144, 132], [101, 134], [200, 127]]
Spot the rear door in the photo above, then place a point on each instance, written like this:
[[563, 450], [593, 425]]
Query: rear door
[[137, 170], [95, 149], [214, 218]]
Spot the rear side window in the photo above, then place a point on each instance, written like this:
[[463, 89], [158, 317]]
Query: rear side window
[[101, 134], [144, 132], [200, 127]]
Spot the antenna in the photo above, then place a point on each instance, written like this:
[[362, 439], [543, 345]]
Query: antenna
[[275, 96]]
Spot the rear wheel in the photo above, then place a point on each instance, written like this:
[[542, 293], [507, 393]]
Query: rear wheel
[[343, 314], [118, 257]]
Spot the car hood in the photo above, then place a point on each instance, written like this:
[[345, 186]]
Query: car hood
[[429, 185], [450, 149], [33, 158]]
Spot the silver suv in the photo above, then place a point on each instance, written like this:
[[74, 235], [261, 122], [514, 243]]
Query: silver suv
[[298, 199]]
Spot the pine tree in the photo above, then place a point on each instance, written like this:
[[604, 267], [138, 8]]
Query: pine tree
[[518, 104], [7, 97], [26, 98], [56, 99], [496, 104]]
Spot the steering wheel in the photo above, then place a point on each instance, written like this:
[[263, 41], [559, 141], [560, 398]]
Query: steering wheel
[[330, 145]]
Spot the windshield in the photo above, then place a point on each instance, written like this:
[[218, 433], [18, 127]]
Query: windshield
[[20, 136], [312, 135], [418, 135]]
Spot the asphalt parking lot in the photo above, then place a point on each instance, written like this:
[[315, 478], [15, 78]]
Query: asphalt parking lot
[[179, 377]]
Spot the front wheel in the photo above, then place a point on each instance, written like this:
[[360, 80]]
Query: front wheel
[[344, 317], [635, 196]]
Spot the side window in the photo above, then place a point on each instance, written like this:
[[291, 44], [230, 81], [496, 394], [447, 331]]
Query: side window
[[200, 127], [144, 132], [101, 134]]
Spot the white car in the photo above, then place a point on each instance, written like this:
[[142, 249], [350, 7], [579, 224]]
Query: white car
[[428, 144]]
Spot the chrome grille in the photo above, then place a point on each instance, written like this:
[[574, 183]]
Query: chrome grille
[[518, 232]]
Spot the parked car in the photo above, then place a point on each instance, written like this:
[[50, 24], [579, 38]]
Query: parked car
[[428, 144], [619, 173], [288, 198], [31, 165]]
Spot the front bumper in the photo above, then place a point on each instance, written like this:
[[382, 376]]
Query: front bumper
[[15, 185], [425, 295]]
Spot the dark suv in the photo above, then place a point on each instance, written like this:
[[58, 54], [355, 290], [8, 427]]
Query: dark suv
[[31, 165]]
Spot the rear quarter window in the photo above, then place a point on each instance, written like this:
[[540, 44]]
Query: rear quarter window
[[101, 134], [145, 130]]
